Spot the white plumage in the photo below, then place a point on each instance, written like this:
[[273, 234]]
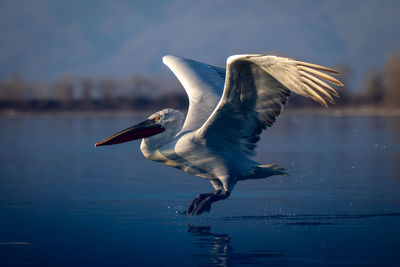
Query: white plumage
[[228, 109]]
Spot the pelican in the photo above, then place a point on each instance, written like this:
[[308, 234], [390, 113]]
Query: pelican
[[228, 110]]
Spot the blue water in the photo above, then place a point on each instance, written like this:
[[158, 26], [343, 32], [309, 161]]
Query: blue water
[[65, 203]]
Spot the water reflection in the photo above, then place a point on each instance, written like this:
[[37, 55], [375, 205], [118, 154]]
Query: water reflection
[[220, 249]]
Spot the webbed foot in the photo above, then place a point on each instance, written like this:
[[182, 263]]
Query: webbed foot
[[203, 202]]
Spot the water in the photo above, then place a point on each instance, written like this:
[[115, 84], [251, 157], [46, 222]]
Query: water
[[65, 203]]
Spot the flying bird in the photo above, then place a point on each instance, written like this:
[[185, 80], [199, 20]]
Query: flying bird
[[228, 110]]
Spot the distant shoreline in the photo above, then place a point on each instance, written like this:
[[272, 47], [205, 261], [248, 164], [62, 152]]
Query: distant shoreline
[[341, 112], [336, 112]]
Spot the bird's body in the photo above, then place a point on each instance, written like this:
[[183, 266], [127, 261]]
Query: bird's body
[[228, 109]]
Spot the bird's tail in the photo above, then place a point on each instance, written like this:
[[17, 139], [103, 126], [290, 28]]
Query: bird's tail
[[264, 171]]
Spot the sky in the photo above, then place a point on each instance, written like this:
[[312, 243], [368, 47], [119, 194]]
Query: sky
[[43, 40]]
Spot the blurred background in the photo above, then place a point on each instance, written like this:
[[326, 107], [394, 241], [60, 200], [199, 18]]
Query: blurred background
[[107, 55]]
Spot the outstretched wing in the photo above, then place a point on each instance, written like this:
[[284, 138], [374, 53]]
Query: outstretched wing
[[203, 84], [256, 89]]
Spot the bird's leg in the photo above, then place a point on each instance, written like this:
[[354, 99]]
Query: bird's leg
[[198, 199], [203, 202]]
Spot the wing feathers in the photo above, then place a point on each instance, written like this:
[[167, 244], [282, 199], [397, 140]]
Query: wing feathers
[[300, 77], [256, 89], [312, 94], [319, 82], [318, 88], [316, 66], [203, 84], [321, 75]]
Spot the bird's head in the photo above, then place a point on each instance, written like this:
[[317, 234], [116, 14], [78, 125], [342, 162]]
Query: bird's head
[[161, 126]]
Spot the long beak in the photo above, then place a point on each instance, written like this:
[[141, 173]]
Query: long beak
[[142, 130]]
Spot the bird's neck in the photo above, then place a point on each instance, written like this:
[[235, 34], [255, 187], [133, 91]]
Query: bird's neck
[[150, 146]]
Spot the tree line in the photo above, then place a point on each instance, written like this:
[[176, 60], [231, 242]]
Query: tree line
[[104, 93], [381, 89]]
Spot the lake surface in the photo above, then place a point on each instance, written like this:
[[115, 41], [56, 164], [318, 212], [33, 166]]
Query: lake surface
[[64, 202]]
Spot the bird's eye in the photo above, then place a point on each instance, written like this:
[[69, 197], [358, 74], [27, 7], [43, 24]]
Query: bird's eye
[[156, 118]]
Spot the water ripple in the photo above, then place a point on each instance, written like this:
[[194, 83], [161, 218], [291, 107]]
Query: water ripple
[[304, 217]]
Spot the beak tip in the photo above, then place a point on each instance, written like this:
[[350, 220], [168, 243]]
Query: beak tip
[[96, 145]]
